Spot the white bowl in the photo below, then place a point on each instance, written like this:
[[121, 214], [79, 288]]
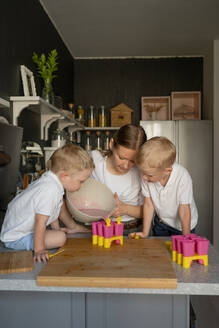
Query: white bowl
[[93, 201]]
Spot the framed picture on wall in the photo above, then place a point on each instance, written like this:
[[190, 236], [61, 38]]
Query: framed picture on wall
[[155, 108], [28, 81], [186, 105]]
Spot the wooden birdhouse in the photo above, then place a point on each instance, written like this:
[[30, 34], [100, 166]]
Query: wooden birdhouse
[[121, 115]]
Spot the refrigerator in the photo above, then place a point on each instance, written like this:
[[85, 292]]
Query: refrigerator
[[194, 145]]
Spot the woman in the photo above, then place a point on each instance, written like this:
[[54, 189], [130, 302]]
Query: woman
[[117, 170]]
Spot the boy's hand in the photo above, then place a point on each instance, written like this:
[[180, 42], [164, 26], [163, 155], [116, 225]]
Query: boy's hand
[[41, 256], [137, 235]]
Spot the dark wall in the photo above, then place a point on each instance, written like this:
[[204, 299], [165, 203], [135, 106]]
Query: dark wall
[[24, 28], [112, 81]]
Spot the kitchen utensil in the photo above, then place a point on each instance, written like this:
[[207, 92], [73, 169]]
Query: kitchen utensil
[[91, 202], [56, 253]]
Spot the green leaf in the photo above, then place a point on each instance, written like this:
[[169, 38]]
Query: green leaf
[[46, 67]]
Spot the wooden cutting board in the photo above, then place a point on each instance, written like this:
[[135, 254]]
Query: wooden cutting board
[[142, 263], [20, 261]]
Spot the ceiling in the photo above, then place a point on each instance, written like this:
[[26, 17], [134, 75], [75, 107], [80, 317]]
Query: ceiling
[[129, 28]]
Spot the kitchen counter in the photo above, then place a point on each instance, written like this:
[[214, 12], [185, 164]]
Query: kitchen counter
[[197, 280], [77, 307]]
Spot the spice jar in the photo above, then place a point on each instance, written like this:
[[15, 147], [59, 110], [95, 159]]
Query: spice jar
[[80, 112], [88, 143], [102, 117], [92, 118], [98, 147], [58, 138], [106, 142], [71, 108]]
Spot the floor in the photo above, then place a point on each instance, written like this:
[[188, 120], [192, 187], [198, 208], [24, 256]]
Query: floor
[[206, 308]]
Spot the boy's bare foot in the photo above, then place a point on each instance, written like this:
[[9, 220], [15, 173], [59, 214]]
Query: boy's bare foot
[[77, 228]]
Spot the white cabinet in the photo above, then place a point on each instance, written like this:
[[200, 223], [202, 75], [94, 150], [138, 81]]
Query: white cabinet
[[194, 145]]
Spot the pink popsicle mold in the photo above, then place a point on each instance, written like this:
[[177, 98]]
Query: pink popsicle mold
[[189, 248], [104, 233]]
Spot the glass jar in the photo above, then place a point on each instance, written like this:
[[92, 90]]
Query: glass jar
[[102, 117], [91, 118], [98, 145], [88, 143], [58, 138], [71, 108], [80, 112], [106, 142]]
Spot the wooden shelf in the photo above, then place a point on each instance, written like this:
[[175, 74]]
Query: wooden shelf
[[101, 128]]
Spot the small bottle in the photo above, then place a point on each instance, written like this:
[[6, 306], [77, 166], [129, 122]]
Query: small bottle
[[71, 108], [80, 112], [98, 140], [106, 142], [71, 133], [92, 118], [78, 137], [102, 117], [88, 144]]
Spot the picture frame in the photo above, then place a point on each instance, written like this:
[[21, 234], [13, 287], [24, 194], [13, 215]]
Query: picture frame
[[155, 108], [28, 81], [186, 105]]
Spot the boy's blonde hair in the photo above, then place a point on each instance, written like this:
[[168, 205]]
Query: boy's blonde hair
[[157, 153], [69, 157]]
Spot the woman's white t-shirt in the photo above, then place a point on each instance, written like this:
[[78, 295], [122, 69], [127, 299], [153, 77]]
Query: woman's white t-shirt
[[43, 196], [166, 199], [127, 186]]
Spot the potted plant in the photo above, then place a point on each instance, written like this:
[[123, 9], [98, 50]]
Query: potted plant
[[46, 69]]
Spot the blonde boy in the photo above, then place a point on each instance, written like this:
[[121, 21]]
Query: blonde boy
[[42, 204], [167, 189]]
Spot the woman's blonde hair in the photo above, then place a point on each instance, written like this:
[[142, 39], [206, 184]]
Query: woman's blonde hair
[[69, 157], [157, 153]]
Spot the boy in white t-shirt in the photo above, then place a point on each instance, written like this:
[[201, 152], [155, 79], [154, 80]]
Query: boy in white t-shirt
[[167, 189], [42, 204]]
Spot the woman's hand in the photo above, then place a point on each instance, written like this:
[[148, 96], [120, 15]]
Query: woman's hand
[[120, 207], [137, 235], [41, 256]]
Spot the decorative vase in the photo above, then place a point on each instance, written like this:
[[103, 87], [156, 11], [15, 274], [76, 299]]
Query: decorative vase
[[47, 93]]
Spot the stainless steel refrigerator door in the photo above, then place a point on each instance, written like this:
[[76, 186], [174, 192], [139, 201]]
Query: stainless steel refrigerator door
[[159, 128], [162, 129], [195, 149]]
